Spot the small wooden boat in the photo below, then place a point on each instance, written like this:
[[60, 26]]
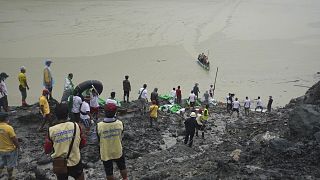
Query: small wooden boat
[[204, 66]]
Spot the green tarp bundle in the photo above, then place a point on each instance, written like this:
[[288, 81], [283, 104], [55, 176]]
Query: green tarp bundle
[[170, 108], [165, 97]]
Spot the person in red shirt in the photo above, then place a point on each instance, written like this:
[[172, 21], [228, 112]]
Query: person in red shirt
[[178, 94]]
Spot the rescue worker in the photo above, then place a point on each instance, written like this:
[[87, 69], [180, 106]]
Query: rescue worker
[[190, 125], [109, 132]]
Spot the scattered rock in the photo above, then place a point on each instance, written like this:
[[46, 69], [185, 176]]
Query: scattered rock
[[236, 154], [280, 145], [304, 121]]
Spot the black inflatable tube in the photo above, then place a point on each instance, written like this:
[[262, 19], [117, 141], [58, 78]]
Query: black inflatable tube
[[88, 85]]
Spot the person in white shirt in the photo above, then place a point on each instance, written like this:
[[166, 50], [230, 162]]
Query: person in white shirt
[[111, 99], [77, 101], [3, 92], [211, 91], [235, 106], [143, 98], [192, 99], [85, 114], [247, 105], [173, 94], [94, 104], [259, 105], [68, 88]]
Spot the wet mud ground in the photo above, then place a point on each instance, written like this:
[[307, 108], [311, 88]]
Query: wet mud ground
[[233, 148]]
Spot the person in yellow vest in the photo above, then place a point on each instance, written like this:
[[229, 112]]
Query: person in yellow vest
[[109, 132], [58, 141], [23, 86], [44, 109], [153, 109], [9, 147], [202, 120], [205, 115]]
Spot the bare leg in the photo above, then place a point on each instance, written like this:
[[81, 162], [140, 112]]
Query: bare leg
[[81, 177], [124, 174], [10, 173], [110, 177]]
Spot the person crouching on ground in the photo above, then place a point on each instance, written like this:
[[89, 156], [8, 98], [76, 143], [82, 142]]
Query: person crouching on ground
[[153, 109], [109, 133], [9, 147], [68, 148], [190, 125], [85, 115]]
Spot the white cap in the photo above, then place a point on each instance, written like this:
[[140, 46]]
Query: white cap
[[193, 114]]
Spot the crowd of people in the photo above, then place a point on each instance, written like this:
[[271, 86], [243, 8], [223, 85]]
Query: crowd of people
[[77, 113]]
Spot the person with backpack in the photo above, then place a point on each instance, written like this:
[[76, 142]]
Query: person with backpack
[[143, 98], [65, 149]]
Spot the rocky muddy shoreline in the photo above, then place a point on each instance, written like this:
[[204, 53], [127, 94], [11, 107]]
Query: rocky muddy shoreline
[[283, 144]]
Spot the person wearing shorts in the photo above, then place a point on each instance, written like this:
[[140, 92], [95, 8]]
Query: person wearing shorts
[[109, 132], [9, 146]]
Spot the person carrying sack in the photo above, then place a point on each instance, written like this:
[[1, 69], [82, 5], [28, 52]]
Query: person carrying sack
[[65, 139]]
